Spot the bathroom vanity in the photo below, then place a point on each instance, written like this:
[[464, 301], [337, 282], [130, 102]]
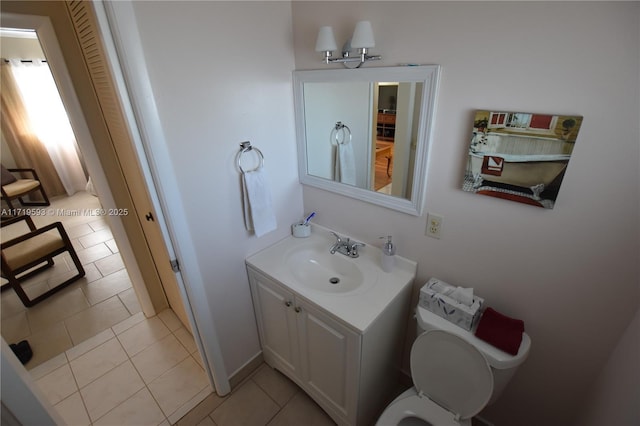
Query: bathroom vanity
[[339, 341]]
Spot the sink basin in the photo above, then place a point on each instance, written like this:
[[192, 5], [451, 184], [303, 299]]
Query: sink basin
[[317, 269], [354, 290]]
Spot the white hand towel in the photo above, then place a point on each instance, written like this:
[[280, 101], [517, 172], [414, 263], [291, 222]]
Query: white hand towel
[[344, 164], [259, 215]]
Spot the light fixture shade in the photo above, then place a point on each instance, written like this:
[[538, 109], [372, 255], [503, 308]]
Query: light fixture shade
[[326, 41], [363, 36]]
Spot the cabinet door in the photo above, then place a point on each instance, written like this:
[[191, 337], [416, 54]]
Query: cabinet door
[[276, 323], [329, 356]]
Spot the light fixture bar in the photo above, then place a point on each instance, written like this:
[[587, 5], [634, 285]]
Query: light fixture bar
[[362, 39]]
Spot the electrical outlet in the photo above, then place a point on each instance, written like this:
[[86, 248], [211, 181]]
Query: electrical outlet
[[434, 225]]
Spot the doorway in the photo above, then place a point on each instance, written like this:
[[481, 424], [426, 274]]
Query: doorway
[[105, 295], [145, 336]]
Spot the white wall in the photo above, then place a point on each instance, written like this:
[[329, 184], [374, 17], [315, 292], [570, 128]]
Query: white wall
[[613, 398], [571, 273], [221, 75]]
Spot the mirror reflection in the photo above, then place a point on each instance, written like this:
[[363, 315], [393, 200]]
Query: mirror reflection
[[364, 133]]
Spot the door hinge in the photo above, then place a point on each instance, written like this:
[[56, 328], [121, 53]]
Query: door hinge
[[175, 265]]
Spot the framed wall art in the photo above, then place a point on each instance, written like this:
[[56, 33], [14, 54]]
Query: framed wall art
[[519, 156]]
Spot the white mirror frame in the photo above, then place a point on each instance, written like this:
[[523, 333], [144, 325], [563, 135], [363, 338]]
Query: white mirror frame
[[426, 74]]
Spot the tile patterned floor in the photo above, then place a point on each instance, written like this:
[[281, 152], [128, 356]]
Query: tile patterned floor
[[265, 398], [99, 300], [138, 372]]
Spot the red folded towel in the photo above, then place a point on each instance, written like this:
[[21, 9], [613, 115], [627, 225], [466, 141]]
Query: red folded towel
[[500, 331]]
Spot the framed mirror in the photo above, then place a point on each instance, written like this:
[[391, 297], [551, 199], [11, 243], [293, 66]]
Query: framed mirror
[[365, 133]]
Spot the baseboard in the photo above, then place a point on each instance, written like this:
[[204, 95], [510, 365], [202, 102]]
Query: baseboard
[[245, 371]]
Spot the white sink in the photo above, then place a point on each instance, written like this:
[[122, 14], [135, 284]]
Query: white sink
[[362, 290], [317, 269]]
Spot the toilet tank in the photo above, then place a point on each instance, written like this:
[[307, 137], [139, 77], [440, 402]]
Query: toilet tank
[[502, 364]]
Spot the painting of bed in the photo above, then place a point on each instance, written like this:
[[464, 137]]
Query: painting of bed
[[520, 156]]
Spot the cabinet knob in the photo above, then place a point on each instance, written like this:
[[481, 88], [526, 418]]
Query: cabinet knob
[[287, 303], [297, 309]]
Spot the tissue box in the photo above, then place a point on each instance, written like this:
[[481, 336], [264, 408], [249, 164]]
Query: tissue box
[[458, 313]]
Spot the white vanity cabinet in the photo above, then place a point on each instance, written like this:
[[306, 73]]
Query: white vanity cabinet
[[350, 373]]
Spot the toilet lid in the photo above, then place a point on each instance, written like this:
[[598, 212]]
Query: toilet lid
[[451, 372]]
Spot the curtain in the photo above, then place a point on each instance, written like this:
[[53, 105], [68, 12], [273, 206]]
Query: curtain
[[49, 121], [27, 150]]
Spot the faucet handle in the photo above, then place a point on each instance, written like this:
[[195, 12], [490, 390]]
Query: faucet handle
[[338, 239], [353, 249]]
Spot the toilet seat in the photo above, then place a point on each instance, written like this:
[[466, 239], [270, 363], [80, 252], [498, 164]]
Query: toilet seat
[[451, 372], [410, 404], [452, 379]]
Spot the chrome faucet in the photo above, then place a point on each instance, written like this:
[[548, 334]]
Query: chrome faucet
[[347, 247]]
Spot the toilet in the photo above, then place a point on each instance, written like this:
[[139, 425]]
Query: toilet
[[455, 375]]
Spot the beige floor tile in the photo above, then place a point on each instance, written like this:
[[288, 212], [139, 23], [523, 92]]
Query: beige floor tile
[[96, 237], [189, 405], [179, 385], [158, 358], [130, 300], [275, 384], [89, 344], [143, 334], [10, 304], [91, 273], [247, 406], [140, 409], [170, 319], [95, 319], [110, 390], [72, 411], [93, 364], [58, 384], [94, 253], [106, 287], [63, 305], [36, 285], [112, 246], [110, 264], [78, 231], [15, 328], [98, 224], [302, 410], [186, 339], [201, 411], [48, 366], [48, 343], [128, 323]]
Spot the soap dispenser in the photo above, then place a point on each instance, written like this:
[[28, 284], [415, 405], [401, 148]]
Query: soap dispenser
[[388, 258]]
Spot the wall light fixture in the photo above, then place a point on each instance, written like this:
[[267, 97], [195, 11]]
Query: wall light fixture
[[362, 40]]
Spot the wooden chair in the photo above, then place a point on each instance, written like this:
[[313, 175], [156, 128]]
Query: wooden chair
[[20, 187], [20, 255]]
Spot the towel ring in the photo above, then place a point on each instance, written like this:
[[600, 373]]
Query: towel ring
[[246, 147], [339, 128]]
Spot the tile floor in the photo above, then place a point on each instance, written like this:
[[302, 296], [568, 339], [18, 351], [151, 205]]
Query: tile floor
[[141, 371], [265, 398], [96, 302]]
